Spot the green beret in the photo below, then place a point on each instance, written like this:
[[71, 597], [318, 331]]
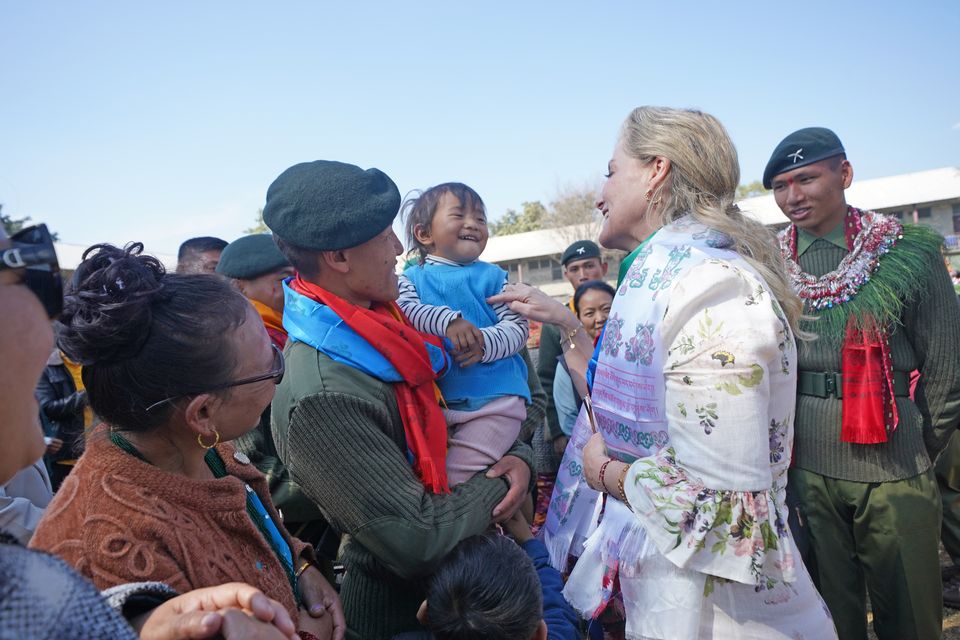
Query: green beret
[[325, 205], [250, 257], [801, 148], [580, 250]]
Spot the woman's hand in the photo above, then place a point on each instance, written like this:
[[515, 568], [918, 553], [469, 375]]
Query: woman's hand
[[534, 304], [594, 455], [518, 476], [321, 599], [232, 610]]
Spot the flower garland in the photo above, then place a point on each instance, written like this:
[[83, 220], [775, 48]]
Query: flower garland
[[878, 236]]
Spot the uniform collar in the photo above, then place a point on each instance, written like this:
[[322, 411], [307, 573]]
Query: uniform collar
[[836, 237]]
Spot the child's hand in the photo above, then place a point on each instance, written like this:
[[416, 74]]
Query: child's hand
[[518, 527], [467, 342]]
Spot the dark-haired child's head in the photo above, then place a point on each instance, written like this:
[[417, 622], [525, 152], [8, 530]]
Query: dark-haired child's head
[[592, 301], [448, 220], [486, 589], [200, 255], [151, 343]]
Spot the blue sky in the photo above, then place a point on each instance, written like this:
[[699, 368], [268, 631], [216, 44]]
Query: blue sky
[[159, 121]]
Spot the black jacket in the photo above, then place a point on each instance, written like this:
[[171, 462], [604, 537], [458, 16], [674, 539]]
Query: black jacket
[[62, 405]]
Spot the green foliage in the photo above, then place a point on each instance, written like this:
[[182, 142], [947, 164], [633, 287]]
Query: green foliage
[[260, 227], [10, 225], [755, 188], [531, 219], [572, 205]]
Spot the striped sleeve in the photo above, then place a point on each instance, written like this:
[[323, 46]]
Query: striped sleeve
[[424, 317], [505, 338]]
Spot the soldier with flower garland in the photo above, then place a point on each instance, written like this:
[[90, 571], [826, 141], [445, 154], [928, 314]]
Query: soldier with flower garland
[[881, 306]]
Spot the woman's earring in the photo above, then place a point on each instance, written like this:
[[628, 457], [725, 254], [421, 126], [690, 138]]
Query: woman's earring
[[216, 440], [648, 195]]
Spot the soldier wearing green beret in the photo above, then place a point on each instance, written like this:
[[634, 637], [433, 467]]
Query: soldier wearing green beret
[[356, 417], [862, 481], [257, 268]]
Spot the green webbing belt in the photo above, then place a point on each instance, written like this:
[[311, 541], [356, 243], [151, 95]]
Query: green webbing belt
[[824, 384]]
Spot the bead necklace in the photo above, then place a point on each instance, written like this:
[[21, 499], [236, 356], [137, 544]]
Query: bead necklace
[[877, 236]]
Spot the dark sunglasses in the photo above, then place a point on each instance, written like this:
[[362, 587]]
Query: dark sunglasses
[[275, 374], [32, 250]]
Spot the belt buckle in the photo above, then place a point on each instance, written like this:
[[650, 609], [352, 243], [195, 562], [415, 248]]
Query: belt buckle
[[830, 384]]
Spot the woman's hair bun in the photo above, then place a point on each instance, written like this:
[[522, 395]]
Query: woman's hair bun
[[108, 306]]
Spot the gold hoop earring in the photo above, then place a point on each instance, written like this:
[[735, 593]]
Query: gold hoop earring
[[658, 200], [648, 195], [216, 440]]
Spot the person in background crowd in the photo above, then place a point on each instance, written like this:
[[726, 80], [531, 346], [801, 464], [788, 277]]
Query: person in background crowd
[[173, 365], [591, 303], [861, 476], [257, 269], [485, 389], [693, 390], [23, 499], [40, 596], [582, 261], [199, 255], [63, 402], [491, 588], [357, 418], [947, 472]]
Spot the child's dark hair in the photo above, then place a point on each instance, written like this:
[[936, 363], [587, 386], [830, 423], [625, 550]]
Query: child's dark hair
[[144, 335], [418, 210], [486, 589], [590, 285]]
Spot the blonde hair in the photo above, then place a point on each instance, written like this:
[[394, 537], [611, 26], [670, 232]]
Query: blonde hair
[[702, 181]]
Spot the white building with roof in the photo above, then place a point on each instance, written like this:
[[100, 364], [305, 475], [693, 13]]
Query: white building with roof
[[924, 197]]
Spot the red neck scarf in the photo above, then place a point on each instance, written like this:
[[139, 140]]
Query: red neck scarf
[[869, 407], [388, 331]]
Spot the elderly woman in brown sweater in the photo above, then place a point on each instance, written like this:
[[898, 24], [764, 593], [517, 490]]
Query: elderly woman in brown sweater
[[176, 366]]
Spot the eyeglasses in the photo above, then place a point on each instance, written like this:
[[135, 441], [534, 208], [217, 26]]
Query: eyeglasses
[[275, 374], [32, 250]]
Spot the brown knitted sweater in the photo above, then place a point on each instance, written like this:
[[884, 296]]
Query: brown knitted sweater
[[117, 519]]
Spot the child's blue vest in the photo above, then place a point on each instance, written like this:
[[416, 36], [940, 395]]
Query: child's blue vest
[[466, 289]]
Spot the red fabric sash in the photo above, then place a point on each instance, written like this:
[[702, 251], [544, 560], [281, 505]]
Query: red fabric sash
[[869, 407], [388, 331]]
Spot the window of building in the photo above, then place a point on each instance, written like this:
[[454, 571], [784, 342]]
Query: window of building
[[956, 218], [896, 214], [541, 271], [924, 212]]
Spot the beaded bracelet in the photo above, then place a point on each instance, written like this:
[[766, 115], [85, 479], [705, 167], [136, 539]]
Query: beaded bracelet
[[620, 489], [603, 470]]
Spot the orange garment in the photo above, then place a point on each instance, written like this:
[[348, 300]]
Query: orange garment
[[75, 369], [118, 519], [273, 321]]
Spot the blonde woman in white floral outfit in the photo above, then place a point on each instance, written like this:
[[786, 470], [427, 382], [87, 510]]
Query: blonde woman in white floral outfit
[[676, 504]]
